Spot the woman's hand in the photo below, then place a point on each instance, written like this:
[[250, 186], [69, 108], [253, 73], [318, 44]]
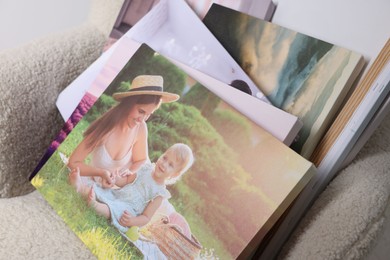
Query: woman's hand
[[125, 219], [108, 179], [107, 185]]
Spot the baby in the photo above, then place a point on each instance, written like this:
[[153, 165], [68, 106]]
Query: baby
[[140, 194]]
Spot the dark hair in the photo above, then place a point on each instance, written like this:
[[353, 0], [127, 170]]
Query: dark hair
[[116, 115], [241, 85]]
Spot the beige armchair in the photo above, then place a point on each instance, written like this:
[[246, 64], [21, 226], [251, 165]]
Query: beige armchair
[[342, 224]]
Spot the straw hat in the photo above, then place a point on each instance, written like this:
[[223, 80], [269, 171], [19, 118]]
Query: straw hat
[[147, 85]]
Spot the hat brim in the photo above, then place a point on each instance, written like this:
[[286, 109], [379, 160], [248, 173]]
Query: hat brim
[[166, 97]]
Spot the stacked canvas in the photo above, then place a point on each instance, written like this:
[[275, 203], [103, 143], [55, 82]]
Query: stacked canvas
[[246, 189]]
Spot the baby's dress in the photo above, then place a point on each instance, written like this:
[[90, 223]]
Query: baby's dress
[[133, 197]]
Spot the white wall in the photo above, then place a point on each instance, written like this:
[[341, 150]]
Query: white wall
[[23, 20]]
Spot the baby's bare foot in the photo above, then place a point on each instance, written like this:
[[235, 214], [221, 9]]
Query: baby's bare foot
[[75, 179], [91, 200]]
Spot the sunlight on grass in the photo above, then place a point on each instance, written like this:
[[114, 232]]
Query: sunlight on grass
[[37, 182], [102, 245], [95, 231]]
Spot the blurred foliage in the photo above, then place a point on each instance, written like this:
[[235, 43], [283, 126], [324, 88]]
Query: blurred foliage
[[102, 105], [203, 99], [235, 129]]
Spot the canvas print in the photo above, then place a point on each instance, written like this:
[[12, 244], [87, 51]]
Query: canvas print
[[300, 74], [159, 167]]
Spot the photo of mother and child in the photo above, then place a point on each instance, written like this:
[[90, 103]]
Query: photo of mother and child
[[120, 182]]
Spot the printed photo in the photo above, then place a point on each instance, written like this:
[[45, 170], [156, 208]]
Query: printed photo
[[160, 167]]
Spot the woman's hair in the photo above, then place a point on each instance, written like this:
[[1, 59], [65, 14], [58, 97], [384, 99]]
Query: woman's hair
[[184, 156], [117, 115]]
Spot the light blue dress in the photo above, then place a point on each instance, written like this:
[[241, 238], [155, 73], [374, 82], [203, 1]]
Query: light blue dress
[[133, 197]]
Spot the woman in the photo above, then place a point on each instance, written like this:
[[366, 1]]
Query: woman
[[117, 140]]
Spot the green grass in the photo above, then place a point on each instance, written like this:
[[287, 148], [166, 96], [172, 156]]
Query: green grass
[[102, 239]]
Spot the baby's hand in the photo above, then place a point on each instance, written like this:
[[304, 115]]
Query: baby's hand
[[125, 172], [125, 219]]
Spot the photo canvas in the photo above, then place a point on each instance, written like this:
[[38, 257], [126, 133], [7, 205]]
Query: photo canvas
[[203, 214], [300, 74]]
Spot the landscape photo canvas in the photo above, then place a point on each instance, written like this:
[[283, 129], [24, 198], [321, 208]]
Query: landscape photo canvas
[[239, 182], [302, 75]]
